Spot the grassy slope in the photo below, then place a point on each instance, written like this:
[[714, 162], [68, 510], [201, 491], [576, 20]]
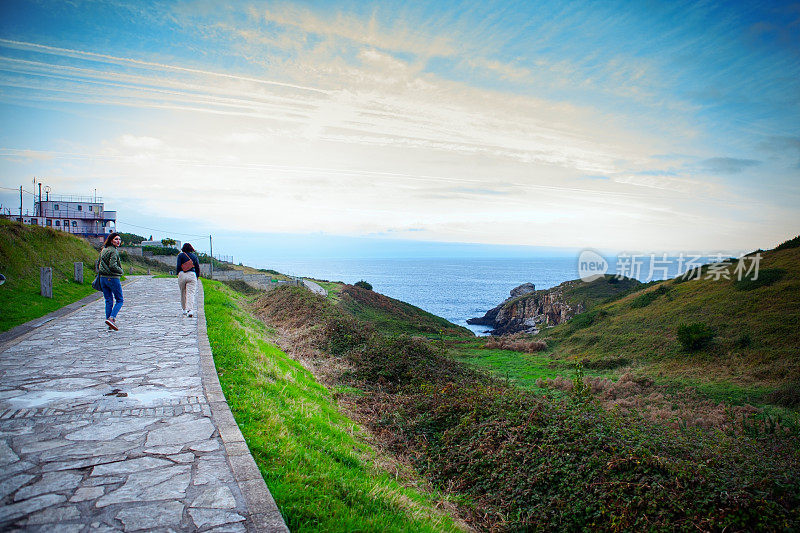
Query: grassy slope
[[627, 334], [314, 460], [393, 316], [768, 315], [24, 249]]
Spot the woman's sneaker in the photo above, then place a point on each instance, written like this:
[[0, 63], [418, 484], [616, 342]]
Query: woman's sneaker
[[112, 324]]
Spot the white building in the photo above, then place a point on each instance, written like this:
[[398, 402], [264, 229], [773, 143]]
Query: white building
[[80, 215]]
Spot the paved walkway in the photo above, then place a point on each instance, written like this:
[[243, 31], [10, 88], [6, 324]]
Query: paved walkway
[[123, 431]]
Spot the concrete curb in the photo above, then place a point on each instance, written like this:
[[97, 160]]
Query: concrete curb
[[264, 514]]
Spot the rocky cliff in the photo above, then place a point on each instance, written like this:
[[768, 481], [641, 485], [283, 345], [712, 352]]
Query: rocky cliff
[[528, 310]]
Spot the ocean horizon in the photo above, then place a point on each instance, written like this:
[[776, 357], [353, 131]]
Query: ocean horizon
[[454, 288]]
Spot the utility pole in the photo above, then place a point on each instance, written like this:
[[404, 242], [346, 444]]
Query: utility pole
[[40, 200], [20, 204], [211, 252]]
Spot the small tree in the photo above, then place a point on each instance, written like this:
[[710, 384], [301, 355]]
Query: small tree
[[363, 284], [169, 242]]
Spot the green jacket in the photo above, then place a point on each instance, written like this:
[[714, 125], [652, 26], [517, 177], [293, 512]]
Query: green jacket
[[110, 265]]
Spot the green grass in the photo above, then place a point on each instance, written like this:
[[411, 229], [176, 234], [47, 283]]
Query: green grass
[[523, 370], [315, 461], [395, 317], [24, 249], [756, 338]]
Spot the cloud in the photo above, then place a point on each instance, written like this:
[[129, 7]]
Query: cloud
[[728, 165], [682, 185], [131, 141]]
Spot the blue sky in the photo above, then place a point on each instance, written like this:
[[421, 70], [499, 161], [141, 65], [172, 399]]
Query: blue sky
[[658, 126]]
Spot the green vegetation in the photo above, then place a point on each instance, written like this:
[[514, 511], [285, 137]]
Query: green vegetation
[[755, 333], [24, 249], [393, 316], [131, 239], [363, 284], [695, 336], [322, 474], [158, 250], [557, 459]]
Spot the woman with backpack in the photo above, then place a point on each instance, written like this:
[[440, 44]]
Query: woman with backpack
[[188, 269], [110, 270]]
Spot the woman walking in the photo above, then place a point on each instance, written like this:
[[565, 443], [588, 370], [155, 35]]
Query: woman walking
[[110, 270], [188, 269]]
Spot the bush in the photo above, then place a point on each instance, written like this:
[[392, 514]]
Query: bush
[[515, 344], [363, 284], [584, 320], [643, 300], [695, 336], [766, 277], [343, 334], [158, 250], [744, 341]]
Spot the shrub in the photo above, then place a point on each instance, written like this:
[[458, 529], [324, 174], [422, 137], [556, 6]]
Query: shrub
[[788, 395], [584, 320], [643, 300], [695, 336], [344, 334], [158, 250], [791, 243], [515, 344], [766, 277], [363, 284], [744, 341]]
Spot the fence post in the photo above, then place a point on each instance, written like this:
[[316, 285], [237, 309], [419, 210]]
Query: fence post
[[46, 281], [79, 271]]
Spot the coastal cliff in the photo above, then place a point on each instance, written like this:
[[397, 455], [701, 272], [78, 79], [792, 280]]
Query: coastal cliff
[[528, 310]]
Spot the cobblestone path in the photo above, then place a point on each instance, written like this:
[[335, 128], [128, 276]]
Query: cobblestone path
[[126, 430]]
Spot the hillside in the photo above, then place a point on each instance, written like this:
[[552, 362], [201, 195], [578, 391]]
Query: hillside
[[560, 457], [24, 249], [394, 316], [753, 327], [373, 310]]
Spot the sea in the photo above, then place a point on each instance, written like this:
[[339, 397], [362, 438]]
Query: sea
[[456, 289]]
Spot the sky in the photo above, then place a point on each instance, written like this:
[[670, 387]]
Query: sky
[[657, 126]]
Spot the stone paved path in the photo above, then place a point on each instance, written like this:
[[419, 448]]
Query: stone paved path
[[123, 431]]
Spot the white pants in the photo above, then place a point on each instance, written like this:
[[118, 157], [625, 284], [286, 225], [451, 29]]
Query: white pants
[[187, 281]]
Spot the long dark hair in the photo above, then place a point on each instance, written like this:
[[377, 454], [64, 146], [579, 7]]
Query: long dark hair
[[109, 239], [186, 248]]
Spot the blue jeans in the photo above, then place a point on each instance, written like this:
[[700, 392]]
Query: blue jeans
[[112, 289]]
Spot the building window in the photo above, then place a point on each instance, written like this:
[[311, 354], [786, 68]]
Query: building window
[[49, 222], [58, 223], [34, 221], [55, 207], [66, 223], [80, 208], [74, 223], [90, 208]]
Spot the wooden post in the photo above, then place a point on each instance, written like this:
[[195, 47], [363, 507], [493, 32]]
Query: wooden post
[[46, 281], [148, 271], [130, 270], [79, 271]]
